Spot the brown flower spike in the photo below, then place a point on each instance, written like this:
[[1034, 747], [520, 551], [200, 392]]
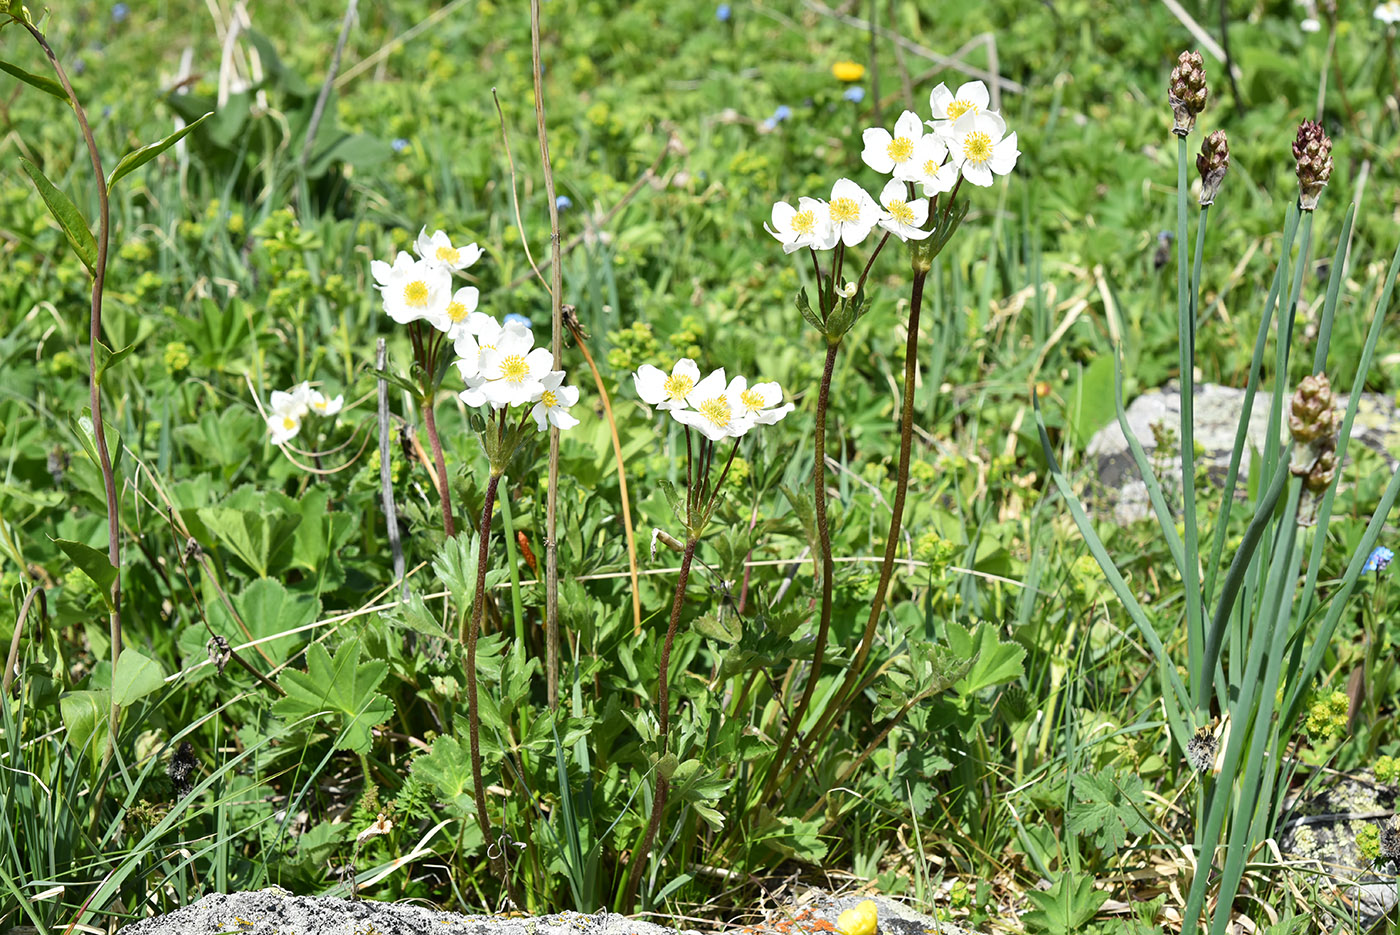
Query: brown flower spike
[[1212, 163], [1187, 92], [1313, 416], [1313, 150]]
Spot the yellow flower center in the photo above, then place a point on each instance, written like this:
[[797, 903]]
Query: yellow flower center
[[288, 423], [804, 222], [717, 411], [844, 209], [488, 347], [957, 108], [456, 311], [678, 385], [448, 254], [977, 147], [752, 401], [549, 399], [900, 211], [415, 294], [319, 405], [931, 168], [900, 148], [514, 369]]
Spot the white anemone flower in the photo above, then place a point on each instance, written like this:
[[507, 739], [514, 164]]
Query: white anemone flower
[[947, 107], [894, 152], [438, 251], [979, 149], [475, 393], [456, 316], [295, 402], [663, 391], [760, 401], [553, 407], [412, 289], [936, 174], [514, 368], [718, 413], [1388, 13], [903, 218], [325, 406], [282, 426], [853, 212], [807, 225], [478, 332]]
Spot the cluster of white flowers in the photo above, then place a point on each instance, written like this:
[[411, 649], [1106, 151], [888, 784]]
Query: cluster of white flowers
[[499, 363], [717, 409], [288, 409], [1388, 12], [963, 140]]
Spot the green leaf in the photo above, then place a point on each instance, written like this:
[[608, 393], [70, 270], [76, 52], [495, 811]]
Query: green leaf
[[726, 629], [455, 566], [402, 383], [268, 608], [1105, 807], [47, 85], [138, 158], [255, 537], [108, 358], [85, 718], [91, 562], [341, 690], [66, 213], [995, 662], [805, 307], [1066, 907], [136, 677], [448, 769]]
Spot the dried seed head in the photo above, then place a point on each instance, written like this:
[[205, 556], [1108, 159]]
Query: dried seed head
[[1390, 839], [1313, 150], [1187, 92], [1212, 163], [1200, 749], [1313, 416]]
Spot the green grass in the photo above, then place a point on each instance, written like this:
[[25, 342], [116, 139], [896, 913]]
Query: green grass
[[238, 268]]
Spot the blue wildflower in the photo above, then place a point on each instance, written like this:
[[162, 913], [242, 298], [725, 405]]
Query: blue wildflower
[[1379, 560], [782, 113], [399, 144], [770, 124], [120, 11], [723, 13], [855, 94], [563, 203], [521, 319]]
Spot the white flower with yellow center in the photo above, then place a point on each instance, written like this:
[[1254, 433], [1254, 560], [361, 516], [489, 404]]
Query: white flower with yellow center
[[894, 152], [555, 400], [667, 391], [282, 427], [324, 406], [438, 251], [807, 225], [718, 414], [947, 107], [978, 149], [1388, 13], [412, 289], [479, 332], [456, 317], [513, 368], [852, 211], [936, 173], [758, 402], [903, 217], [295, 402]]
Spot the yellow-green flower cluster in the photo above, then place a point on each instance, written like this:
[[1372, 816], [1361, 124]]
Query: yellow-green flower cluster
[[1387, 769], [1327, 718]]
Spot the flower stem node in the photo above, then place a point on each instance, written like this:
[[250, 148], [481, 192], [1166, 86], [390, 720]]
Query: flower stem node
[[1212, 163], [1313, 150], [1187, 92]]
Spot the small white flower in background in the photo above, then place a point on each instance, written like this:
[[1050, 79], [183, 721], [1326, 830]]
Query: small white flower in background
[[554, 403], [412, 289], [457, 317], [657, 388], [323, 406], [282, 427], [1310, 25], [947, 107], [903, 218], [845, 292], [718, 414], [936, 174], [760, 401], [1389, 12], [853, 212], [894, 152], [295, 402], [807, 225], [381, 825], [979, 149], [514, 368], [438, 251]]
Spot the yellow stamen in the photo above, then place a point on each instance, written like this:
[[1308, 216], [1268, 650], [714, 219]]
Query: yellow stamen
[[804, 222], [514, 369], [456, 311], [900, 148], [843, 210], [957, 108], [717, 411], [415, 294], [677, 386], [977, 147], [448, 254], [288, 423], [549, 399], [900, 211], [931, 168], [753, 401]]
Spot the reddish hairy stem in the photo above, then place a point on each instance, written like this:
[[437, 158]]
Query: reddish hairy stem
[[473, 715], [430, 421]]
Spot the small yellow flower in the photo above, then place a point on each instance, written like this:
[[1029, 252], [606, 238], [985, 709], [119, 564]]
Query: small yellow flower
[[859, 920], [848, 71]]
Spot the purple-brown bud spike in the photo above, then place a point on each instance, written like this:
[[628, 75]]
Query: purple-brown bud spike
[[1212, 163], [1312, 418], [1187, 92], [1313, 150]]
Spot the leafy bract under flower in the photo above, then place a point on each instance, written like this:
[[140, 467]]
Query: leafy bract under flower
[[673, 391]]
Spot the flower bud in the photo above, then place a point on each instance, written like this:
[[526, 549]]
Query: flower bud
[[1187, 92], [1313, 150], [1212, 163], [1320, 476], [1313, 417]]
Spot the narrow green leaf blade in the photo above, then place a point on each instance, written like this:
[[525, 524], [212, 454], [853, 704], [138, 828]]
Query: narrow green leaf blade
[[66, 213], [47, 85], [138, 158], [90, 562]]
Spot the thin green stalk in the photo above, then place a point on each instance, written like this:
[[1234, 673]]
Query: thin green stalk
[[1186, 355]]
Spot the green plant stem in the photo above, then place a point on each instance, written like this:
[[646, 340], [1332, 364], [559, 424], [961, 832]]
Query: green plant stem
[[663, 707], [430, 422], [473, 714], [99, 434], [1186, 357], [828, 568]]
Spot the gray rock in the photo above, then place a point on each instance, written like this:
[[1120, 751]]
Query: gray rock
[[1120, 490]]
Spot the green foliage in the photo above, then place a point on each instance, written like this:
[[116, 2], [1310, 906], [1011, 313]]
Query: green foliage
[[340, 689], [1066, 907], [1107, 807]]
